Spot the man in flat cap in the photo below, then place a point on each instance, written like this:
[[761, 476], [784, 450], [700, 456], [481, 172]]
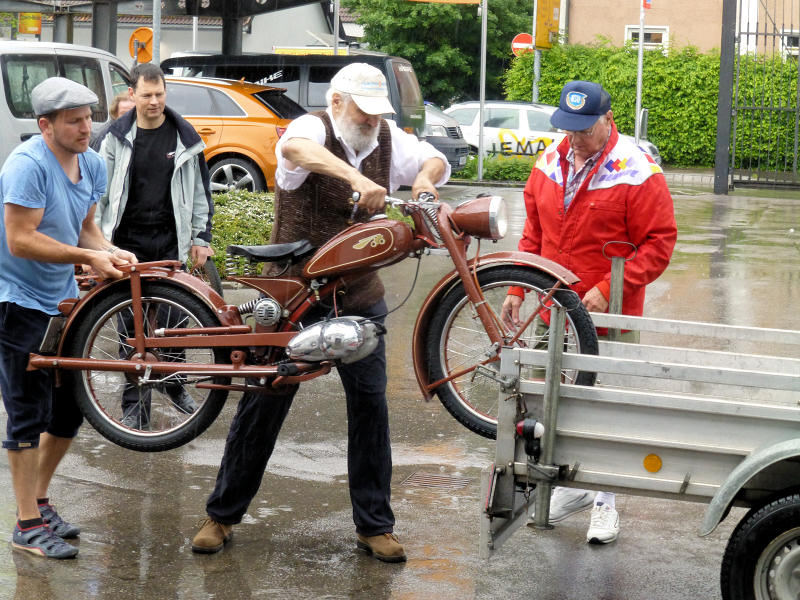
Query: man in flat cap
[[594, 187], [49, 186], [322, 159]]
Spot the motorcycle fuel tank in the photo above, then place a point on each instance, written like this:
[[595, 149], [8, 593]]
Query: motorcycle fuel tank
[[368, 245]]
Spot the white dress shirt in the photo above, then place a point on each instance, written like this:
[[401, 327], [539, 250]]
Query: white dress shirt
[[408, 153]]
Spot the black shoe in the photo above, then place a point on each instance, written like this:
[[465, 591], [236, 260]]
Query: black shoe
[[183, 401]]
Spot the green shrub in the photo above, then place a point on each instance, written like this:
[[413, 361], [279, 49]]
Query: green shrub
[[498, 168], [680, 90], [240, 218]]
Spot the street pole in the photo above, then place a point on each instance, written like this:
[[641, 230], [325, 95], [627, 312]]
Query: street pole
[[484, 13], [537, 57], [638, 116], [157, 32], [195, 23], [335, 27]]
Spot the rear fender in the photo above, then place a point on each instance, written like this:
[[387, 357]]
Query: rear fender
[[74, 309], [770, 467], [487, 261]]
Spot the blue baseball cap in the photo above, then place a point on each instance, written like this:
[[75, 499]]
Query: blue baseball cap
[[581, 104]]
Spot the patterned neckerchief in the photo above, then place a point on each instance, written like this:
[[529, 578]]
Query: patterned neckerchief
[[575, 180]]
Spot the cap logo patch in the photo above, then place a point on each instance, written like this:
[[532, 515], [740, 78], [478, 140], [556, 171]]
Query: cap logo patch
[[576, 100]]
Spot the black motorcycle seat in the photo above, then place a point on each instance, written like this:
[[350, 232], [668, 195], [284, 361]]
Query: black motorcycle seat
[[292, 251]]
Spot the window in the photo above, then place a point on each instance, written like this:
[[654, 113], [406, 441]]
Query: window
[[189, 99], [279, 76], [539, 120], [407, 84], [655, 37], [22, 73], [506, 118], [790, 42], [464, 116], [280, 104], [319, 80], [86, 71], [120, 82]]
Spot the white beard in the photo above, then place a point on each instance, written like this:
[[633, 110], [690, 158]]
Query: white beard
[[359, 138]]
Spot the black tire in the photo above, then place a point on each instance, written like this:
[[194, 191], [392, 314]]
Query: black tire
[[229, 174], [100, 393], [763, 553], [456, 341], [209, 274]]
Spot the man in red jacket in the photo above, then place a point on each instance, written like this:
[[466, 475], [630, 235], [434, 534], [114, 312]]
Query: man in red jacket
[[591, 188]]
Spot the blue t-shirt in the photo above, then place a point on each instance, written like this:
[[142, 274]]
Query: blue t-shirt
[[32, 177]]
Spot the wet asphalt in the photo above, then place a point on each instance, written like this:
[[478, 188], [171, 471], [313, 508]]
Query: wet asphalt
[[736, 262]]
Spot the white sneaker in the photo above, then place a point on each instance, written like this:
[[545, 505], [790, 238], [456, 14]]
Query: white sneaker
[[567, 501], [604, 525]]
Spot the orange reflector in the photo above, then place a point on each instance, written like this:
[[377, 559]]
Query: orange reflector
[[652, 463]]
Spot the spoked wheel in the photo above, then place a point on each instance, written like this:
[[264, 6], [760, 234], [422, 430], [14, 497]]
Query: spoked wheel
[[762, 559], [457, 341], [166, 412]]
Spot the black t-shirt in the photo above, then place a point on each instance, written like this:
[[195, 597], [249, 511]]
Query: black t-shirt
[[148, 223]]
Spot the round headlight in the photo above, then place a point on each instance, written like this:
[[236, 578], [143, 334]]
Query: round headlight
[[498, 217]]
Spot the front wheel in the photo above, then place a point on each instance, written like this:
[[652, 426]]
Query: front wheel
[[457, 341], [164, 412], [763, 554]]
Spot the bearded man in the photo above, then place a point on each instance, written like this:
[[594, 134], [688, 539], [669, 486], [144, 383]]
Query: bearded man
[[322, 159]]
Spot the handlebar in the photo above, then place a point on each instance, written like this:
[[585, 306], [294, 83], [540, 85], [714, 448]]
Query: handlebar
[[390, 200]]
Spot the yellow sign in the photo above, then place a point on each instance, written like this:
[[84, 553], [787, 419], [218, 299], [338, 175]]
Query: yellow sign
[[547, 22], [140, 44], [30, 23], [449, 1], [311, 50]]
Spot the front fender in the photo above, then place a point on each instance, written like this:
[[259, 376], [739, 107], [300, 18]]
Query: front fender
[[758, 461], [438, 291], [75, 309]]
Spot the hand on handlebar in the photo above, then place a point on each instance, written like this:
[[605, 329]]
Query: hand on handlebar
[[371, 196]]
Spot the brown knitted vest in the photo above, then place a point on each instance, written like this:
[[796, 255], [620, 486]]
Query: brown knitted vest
[[320, 208]]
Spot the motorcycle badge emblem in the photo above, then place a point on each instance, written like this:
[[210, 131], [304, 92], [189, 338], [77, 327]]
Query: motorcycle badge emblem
[[576, 100], [373, 240]]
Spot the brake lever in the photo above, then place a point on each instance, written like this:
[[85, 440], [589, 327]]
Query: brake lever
[[354, 201]]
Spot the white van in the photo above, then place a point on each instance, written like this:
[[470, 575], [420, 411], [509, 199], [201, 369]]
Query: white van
[[25, 64]]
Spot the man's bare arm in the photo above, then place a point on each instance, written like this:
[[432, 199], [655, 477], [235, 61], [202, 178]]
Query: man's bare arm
[[25, 241], [432, 171]]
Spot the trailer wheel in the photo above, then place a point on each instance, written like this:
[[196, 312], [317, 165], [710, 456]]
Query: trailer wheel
[[762, 559]]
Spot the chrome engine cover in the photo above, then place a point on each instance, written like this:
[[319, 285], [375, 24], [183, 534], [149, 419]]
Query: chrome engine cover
[[346, 339]]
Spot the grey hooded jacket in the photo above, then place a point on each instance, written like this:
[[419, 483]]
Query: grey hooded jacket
[[190, 189]]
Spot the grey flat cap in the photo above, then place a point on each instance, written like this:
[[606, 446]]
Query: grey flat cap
[[59, 93]]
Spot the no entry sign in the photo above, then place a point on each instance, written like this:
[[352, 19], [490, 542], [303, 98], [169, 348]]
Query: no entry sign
[[522, 42]]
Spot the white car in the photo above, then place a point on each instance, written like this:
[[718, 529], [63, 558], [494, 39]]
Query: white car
[[515, 128]]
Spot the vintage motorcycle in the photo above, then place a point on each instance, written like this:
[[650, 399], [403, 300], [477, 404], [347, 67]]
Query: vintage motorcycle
[[160, 333]]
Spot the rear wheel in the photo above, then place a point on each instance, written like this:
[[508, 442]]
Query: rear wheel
[[230, 174], [457, 341], [166, 412]]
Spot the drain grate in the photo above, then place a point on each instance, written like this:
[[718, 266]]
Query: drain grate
[[434, 480]]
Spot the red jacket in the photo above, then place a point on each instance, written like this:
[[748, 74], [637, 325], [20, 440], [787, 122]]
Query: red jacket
[[624, 198]]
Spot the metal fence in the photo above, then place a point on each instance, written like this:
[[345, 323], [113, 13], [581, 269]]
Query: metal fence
[[764, 130]]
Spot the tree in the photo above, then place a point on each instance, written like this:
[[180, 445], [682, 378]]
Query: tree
[[443, 42]]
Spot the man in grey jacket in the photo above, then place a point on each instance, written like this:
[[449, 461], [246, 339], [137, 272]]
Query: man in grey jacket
[[158, 202]]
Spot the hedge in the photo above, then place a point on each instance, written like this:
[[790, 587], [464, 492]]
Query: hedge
[[680, 90]]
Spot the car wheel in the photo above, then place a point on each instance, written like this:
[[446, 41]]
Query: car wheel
[[235, 174]]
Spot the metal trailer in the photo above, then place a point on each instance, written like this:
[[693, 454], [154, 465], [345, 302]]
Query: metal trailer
[[662, 421]]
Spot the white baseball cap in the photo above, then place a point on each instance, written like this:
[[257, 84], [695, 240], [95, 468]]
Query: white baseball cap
[[366, 85]]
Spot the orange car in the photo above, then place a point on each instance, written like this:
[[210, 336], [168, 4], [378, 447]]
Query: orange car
[[240, 124]]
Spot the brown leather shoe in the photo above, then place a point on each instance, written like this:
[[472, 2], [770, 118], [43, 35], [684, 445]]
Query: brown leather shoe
[[211, 537], [384, 547]]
